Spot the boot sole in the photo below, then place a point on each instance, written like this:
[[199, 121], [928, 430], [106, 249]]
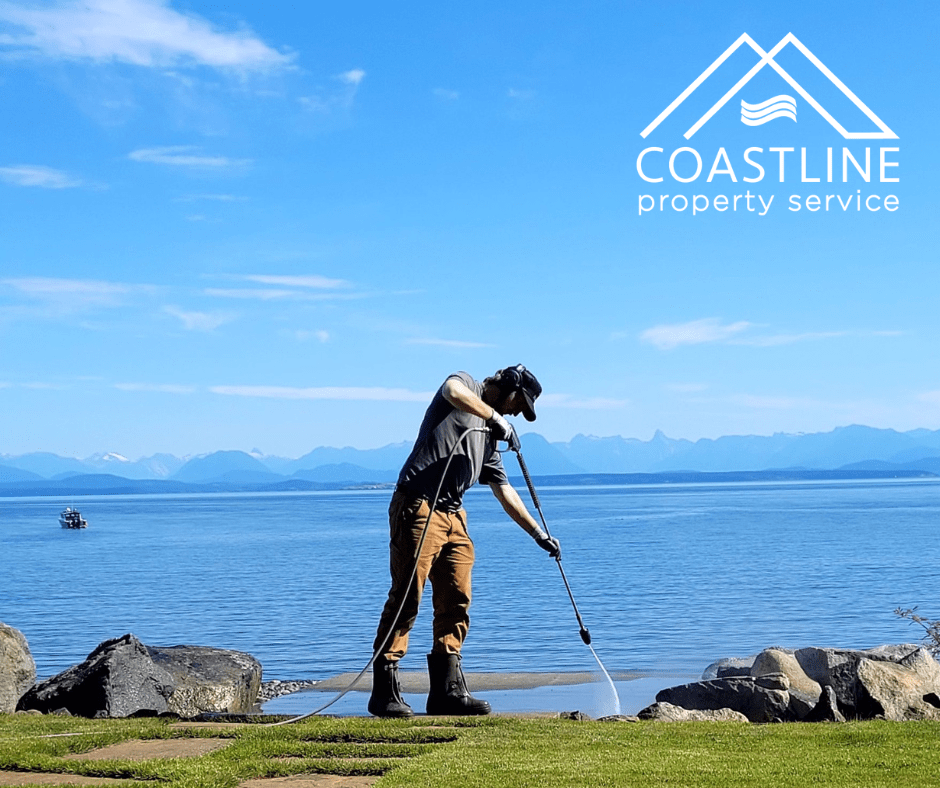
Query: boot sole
[[396, 715], [460, 713]]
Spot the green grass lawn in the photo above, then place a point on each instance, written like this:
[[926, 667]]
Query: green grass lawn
[[500, 752]]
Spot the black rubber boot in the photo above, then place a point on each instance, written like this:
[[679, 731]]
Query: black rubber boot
[[449, 694], [386, 700]]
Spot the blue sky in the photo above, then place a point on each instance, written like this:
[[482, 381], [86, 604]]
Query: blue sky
[[280, 225]]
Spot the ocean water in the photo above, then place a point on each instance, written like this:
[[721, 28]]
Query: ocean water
[[667, 578]]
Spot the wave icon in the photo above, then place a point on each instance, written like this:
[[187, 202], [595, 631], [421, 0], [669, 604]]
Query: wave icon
[[777, 107]]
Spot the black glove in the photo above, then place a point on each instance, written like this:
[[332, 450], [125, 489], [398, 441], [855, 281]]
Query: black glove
[[548, 543], [502, 430]]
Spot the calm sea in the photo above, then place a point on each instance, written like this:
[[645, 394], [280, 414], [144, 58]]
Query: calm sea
[[666, 577]]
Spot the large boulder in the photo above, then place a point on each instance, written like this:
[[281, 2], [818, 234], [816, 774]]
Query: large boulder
[[896, 692], [667, 712], [742, 694], [123, 678], [776, 660], [17, 668], [209, 679], [898, 682], [804, 692], [118, 679]]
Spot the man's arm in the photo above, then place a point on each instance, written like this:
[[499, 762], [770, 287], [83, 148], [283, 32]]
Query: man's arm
[[462, 398], [513, 506]]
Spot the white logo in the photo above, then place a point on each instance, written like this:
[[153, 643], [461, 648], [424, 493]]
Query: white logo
[[779, 106], [766, 111]]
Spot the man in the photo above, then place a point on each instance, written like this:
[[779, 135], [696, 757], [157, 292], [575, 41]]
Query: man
[[456, 447]]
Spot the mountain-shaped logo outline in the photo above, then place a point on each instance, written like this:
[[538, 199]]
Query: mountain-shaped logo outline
[[767, 58]]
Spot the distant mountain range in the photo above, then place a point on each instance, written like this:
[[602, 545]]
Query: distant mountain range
[[850, 450]]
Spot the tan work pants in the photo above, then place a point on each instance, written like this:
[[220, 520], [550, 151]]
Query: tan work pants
[[446, 558]]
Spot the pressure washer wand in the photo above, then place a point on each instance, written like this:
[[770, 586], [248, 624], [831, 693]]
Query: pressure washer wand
[[585, 634]]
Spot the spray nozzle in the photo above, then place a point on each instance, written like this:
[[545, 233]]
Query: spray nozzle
[[586, 636]]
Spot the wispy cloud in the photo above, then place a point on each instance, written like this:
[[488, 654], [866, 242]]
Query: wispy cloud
[[141, 32], [328, 100], [581, 403], [445, 93], [160, 388], [451, 343], [212, 198], [775, 340], [352, 77], [184, 156], [930, 397], [259, 293], [199, 321], [697, 332], [72, 292], [520, 95], [309, 280], [325, 392], [305, 287], [37, 175], [320, 336]]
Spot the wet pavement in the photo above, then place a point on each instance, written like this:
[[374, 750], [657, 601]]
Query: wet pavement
[[507, 693]]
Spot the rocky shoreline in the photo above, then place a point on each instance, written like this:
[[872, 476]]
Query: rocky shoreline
[[124, 677]]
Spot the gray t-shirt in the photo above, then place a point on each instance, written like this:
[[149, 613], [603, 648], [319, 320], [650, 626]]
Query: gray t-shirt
[[475, 459]]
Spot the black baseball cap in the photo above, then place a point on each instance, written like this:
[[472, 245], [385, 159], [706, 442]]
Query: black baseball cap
[[526, 384]]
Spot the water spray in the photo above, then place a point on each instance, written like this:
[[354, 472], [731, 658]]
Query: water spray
[[583, 631]]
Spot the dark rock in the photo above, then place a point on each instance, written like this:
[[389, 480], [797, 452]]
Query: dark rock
[[801, 704], [117, 679], [744, 695], [777, 681], [827, 709], [209, 679], [579, 716], [17, 669], [819, 663], [730, 667], [897, 652]]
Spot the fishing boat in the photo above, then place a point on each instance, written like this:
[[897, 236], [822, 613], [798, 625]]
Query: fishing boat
[[72, 518]]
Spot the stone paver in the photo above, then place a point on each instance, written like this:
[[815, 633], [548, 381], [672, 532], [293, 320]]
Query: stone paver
[[40, 778], [143, 750], [311, 781]]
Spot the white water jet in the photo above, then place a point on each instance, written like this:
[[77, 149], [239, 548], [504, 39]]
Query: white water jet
[[610, 681]]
